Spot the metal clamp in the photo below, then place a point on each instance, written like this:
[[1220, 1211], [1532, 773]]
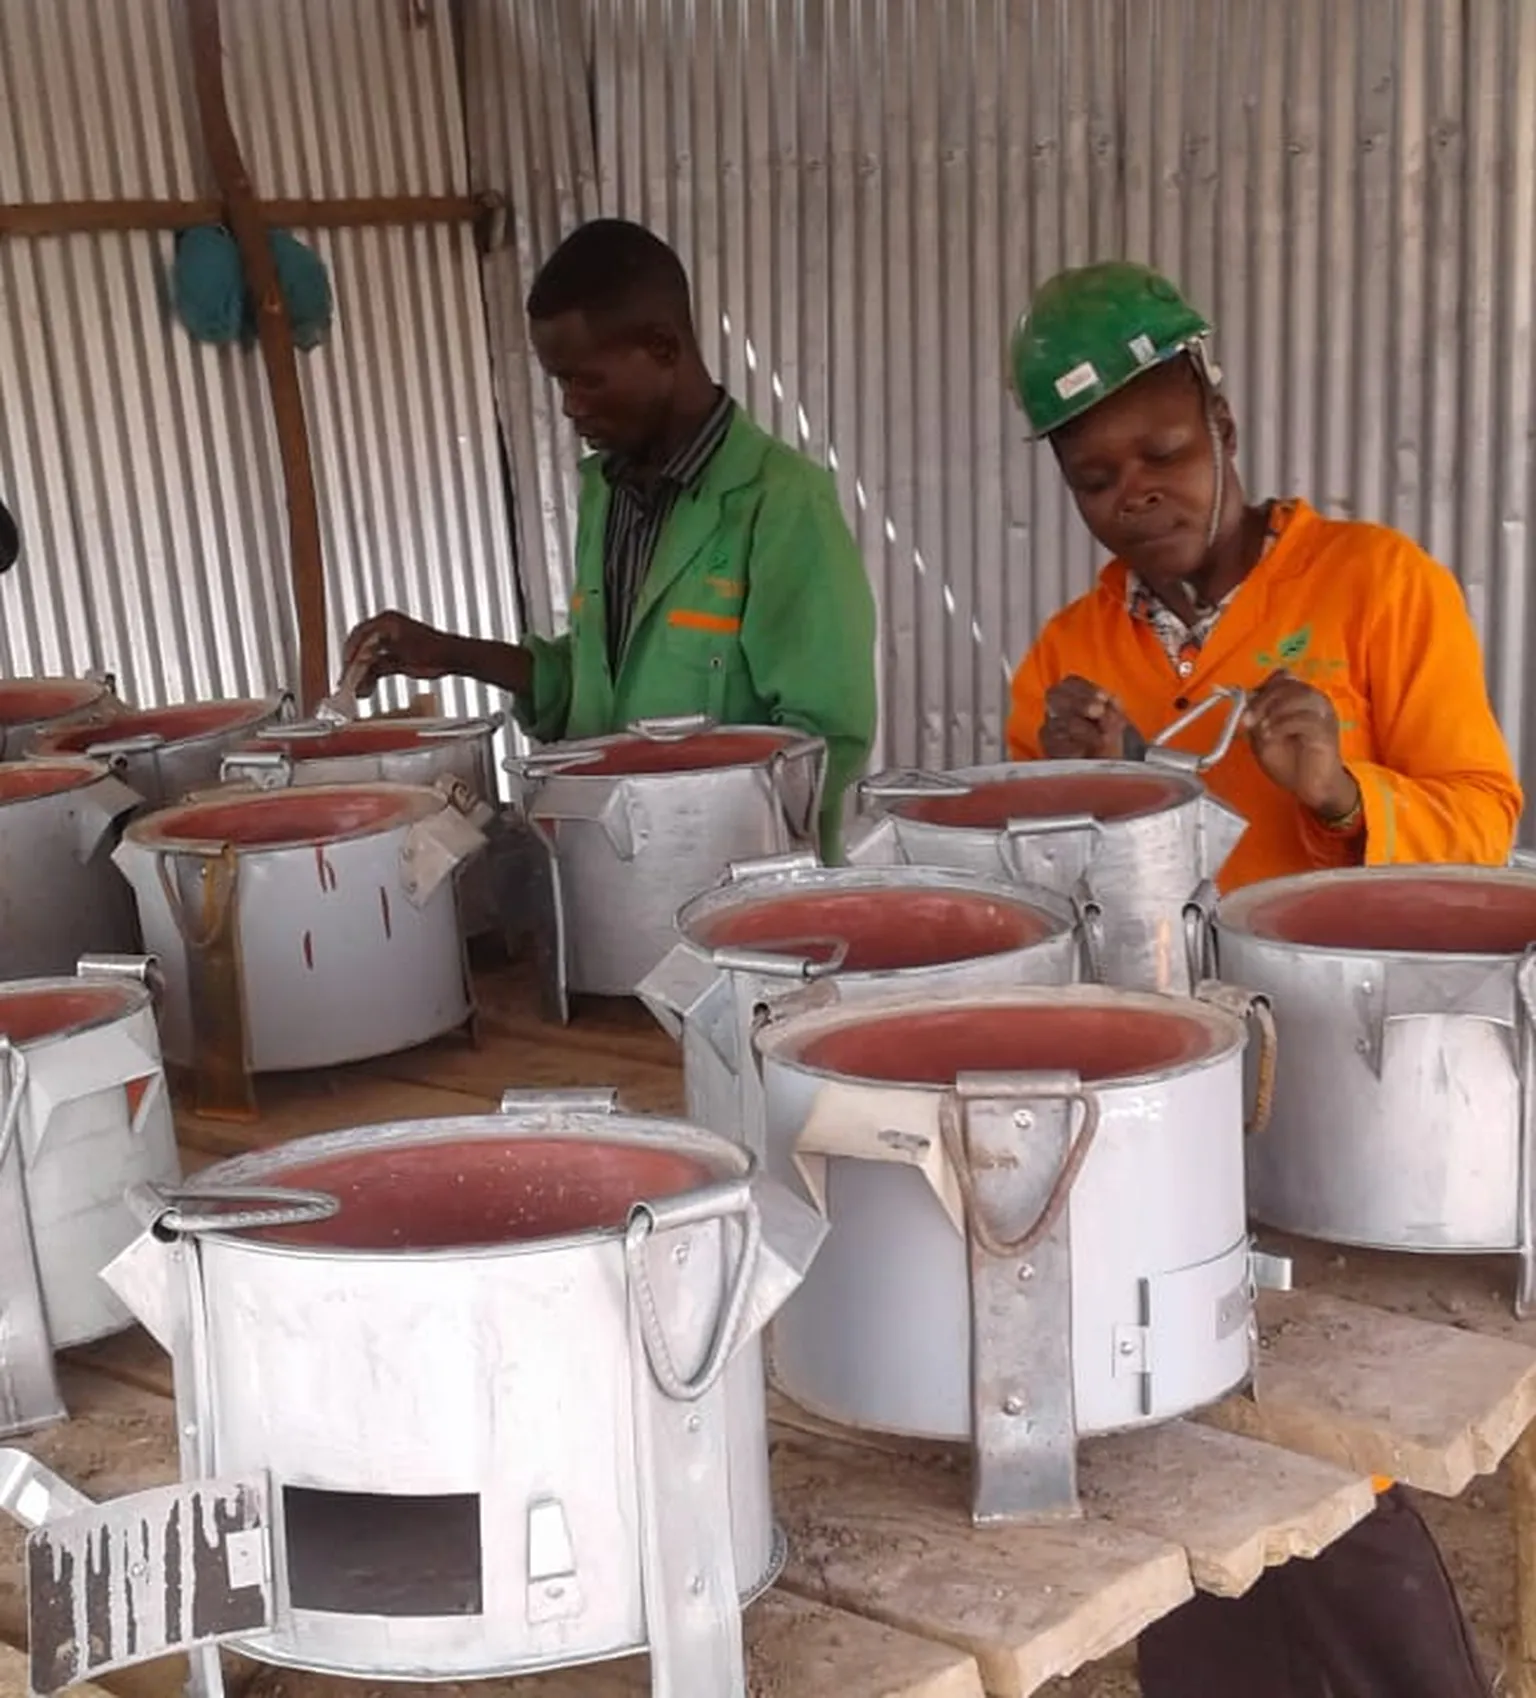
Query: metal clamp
[[670, 728], [780, 963], [263, 769], [715, 1202], [141, 969], [1023, 1089], [13, 1085], [1159, 754], [801, 823], [164, 1209], [577, 1099], [1252, 1007], [764, 866], [899, 784]]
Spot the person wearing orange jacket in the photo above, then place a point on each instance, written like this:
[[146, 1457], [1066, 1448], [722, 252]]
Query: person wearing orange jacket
[[1369, 740]]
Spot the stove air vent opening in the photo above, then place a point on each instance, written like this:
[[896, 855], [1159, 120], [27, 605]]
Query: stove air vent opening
[[362, 1553]]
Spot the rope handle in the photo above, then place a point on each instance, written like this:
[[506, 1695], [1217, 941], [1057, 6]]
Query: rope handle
[[647, 1218], [1254, 1009], [954, 1129]]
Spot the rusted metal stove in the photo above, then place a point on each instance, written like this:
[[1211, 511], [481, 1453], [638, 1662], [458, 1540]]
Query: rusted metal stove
[[457, 1398], [84, 1114]]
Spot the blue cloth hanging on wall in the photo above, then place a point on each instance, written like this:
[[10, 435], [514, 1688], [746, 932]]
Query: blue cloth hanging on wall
[[212, 301]]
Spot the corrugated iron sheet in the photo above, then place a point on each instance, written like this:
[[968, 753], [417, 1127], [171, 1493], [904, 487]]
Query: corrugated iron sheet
[[866, 191], [142, 467]]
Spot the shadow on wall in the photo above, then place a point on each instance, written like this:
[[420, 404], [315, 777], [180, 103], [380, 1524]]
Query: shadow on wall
[[10, 539]]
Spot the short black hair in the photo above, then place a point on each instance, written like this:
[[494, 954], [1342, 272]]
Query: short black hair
[[613, 271]]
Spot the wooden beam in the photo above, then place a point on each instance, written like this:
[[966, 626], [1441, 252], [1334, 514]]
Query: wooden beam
[[92, 217], [306, 560]]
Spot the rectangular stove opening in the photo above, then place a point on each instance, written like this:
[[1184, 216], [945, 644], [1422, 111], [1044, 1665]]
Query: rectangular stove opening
[[361, 1553]]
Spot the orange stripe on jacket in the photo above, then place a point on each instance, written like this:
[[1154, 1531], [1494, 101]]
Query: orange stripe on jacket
[[1363, 614], [691, 621]]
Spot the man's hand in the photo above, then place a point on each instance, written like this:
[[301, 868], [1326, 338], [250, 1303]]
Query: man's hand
[[392, 644], [1294, 733], [1084, 723]]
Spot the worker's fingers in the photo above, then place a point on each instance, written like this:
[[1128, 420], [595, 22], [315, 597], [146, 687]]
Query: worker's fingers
[[1077, 696], [1303, 718]]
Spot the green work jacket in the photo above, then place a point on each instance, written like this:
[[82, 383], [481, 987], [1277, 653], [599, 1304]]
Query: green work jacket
[[756, 611]]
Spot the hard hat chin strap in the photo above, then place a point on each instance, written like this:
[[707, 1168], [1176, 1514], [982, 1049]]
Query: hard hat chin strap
[[1209, 374]]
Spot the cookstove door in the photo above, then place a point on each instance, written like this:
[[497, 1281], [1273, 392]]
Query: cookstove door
[[110, 1585]]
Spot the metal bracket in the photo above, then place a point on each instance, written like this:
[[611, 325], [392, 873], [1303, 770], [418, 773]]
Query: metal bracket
[[525, 884], [576, 1099], [115, 1584], [1089, 914], [1270, 1272], [554, 1591], [1023, 1413]]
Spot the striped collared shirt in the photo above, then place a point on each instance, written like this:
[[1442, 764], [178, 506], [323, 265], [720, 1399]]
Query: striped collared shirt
[[638, 508]]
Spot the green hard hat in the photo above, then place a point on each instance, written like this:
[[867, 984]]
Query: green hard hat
[[1088, 332]]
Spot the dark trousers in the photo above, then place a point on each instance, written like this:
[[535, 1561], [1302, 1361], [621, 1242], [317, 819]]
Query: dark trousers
[[1374, 1616]]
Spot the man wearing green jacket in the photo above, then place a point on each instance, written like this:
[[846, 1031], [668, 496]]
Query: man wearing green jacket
[[715, 572]]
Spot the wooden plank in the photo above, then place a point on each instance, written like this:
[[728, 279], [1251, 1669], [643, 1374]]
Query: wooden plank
[[1235, 1505], [795, 1649], [298, 1105], [1432, 1406], [889, 1537], [1521, 1669], [93, 217]]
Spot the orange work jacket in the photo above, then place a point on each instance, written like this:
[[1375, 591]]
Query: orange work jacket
[[1362, 613]]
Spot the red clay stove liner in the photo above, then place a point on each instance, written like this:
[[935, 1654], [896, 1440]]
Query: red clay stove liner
[[284, 819], [1425, 916], [990, 806], [27, 1015], [480, 1191], [25, 781], [1097, 1043], [684, 754], [25, 701], [885, 930], [174, 724]]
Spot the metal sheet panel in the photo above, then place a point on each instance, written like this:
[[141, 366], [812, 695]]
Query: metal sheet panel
[[142, 467], [865, 192]]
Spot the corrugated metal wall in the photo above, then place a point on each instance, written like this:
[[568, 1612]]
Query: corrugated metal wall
[[866, 190], [142, 467]]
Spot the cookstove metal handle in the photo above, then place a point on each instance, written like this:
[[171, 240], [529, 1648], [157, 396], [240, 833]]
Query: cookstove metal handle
[[1253, 1008], [781, 962], [575, 1099], [165, 1209], [13, 1086], [547, 763], [954, 1131], [765, 866], [264, 769], [1159, 754], [112, 749], [287, 707], [899, 784], [1200, 933], [719, 1202]]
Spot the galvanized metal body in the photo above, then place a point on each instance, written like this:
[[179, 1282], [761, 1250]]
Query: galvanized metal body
[[1404, 1097], [712, 997], [166, 753], [1132, 1304], [438, 752], [630, 838], [366, 1393], [60, 896], [1142, 858], [31, 708], [84, 1115], [346, 936]]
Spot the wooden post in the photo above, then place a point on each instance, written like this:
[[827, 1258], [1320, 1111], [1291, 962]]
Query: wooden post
[[306, 561], [1520, 1663]]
